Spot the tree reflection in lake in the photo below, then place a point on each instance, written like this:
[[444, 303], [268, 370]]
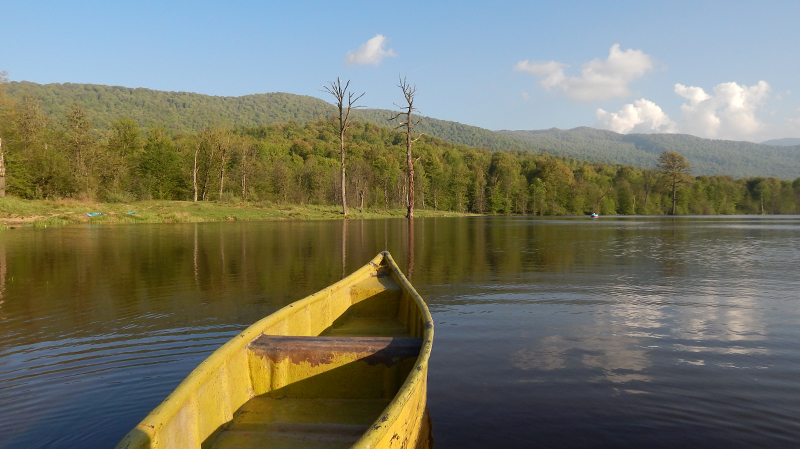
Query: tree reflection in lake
[[623, 332]]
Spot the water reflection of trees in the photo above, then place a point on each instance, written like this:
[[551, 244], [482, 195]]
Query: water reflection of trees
[[59, 281]]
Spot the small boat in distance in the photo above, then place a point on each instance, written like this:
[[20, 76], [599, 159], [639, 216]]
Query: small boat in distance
[[594, 215], [344, 367]]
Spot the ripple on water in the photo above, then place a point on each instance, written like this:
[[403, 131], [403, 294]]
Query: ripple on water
[[80, 383]]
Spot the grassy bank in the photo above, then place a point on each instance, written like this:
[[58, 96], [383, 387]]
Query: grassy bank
[[15, 212]]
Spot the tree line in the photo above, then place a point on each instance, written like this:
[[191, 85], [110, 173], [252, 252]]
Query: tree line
[[182, 112], [51, 157]]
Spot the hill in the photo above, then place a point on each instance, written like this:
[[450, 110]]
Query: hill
[[184, 112], [178, 112], [708, 157], [785, 142]]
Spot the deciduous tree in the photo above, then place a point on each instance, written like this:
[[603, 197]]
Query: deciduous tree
[[409, 94], [345, 101]]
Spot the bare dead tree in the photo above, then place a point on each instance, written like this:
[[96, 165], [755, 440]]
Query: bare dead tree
[[223, 146], [345, 101], [2, 169], [246, 149], [3, 79], [209, 137], [409, 93], [195, 167]]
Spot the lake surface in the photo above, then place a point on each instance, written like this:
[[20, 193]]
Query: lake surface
[[615, 332]]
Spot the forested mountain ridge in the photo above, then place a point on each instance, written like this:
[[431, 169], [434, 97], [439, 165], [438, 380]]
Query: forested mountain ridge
[[785, 142], [186, 113], [708, 157], [70, 155], [177, 112]]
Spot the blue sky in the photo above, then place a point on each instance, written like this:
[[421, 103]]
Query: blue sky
[[726, 69]]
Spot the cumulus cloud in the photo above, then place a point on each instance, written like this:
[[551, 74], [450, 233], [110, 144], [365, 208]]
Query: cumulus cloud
[[370, 52], [599, 80], [642, 116], [729, 113]]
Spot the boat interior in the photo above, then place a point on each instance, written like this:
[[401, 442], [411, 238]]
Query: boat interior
[[321, 377]]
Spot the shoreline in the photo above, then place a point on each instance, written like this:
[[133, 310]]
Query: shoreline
[[15, 212]]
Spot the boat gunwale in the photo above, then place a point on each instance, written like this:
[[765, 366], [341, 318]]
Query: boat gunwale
[[155, 420], [377, 431], [182, 394]]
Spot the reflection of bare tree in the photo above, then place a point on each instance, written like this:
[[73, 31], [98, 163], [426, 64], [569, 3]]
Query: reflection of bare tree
[[344, 247], [222, 252], [244, 252], [3, 274], [196, 271], [410, 248]]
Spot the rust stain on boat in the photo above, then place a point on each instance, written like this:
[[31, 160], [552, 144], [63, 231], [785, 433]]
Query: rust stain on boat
[[315, 351]]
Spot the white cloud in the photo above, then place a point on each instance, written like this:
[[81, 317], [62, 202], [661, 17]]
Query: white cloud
[[642, 116], [371, 52], [729, 113], [600, 79], [526, 96]]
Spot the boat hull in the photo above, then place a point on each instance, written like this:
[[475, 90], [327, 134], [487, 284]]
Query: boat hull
[[344, 367]]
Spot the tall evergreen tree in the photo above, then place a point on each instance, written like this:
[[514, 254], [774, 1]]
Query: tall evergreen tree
[[675, 168]]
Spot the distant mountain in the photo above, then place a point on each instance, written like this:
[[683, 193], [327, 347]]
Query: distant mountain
[[786, 142], [183, 112], [708, 157], [179, 112]]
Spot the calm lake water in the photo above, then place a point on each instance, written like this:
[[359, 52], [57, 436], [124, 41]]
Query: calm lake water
[[616, 332]]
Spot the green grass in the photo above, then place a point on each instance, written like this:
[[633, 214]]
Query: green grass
[[45, 213]]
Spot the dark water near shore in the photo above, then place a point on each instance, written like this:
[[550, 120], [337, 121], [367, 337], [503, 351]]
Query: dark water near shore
[[617, 332]]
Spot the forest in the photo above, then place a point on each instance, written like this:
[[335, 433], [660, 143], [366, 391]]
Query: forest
[[185, 113], [52, 156]]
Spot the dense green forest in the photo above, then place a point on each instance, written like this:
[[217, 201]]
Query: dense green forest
[[67, 155], [186, 113]]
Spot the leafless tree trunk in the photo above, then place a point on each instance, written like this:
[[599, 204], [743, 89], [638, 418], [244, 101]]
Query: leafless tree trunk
[[2, 170], [208, 161], [409, 93], [196, 167], [224, 144], [342, 96], [245, 153], [386, 194]]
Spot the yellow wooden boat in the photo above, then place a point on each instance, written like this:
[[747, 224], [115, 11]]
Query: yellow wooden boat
[[344, 367]]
